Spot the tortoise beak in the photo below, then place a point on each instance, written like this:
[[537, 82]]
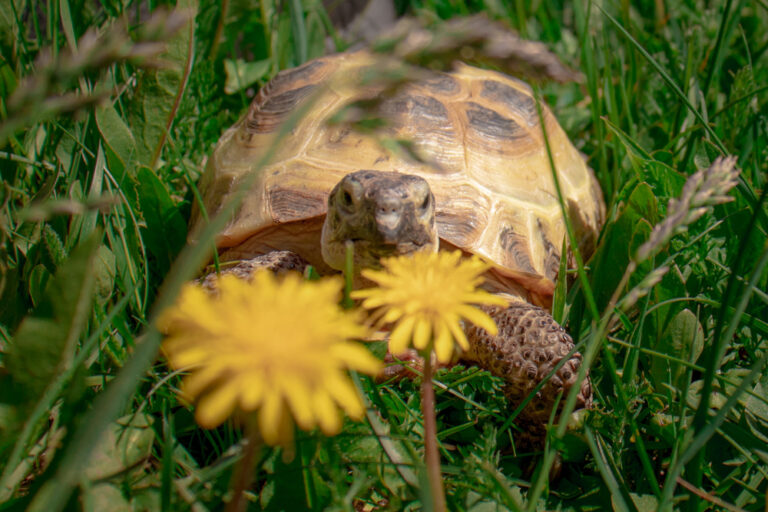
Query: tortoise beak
[[389, 220], [400, 233]]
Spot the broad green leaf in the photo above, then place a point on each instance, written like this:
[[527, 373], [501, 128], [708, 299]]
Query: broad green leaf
[[683, 338], [45, 342], [476, 502], [128, 441], [165, 233], [637, 212], [666, 182], [645, 502], [120, 146], [146, 498], [284, 492], [65, 152], [38, 279], [755, 406], [8, 80], [14, 305], [104, 268], [637, 155], [721, 391], [241, 74], [157, 97], [105, 496], [752, 440]]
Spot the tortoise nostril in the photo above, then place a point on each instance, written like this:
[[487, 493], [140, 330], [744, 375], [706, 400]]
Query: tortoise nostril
[[388, 221], [386, 210]]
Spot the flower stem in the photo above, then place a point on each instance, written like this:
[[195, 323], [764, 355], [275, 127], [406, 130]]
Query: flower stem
[[431, 454], [244, 470]]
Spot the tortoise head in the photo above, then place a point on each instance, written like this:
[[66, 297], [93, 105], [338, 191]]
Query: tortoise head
[[382, 214]]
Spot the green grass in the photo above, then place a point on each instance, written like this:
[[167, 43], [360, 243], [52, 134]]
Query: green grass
[[99, 156]]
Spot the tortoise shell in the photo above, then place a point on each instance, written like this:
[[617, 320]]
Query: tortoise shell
[[488, 169]]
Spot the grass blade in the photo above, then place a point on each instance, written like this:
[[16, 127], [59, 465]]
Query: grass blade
[[620, 496], [668, 79]]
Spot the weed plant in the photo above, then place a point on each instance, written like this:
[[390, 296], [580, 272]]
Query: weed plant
[[107, 113]]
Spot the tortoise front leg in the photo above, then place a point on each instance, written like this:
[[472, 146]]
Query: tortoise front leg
[[528, 346], [276, 261]]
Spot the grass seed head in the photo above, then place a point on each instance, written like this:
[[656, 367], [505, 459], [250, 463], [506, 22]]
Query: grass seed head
[[703, 190]]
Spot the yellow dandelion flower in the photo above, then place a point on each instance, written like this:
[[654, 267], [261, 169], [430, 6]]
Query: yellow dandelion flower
[[427, 295], [281, 346]]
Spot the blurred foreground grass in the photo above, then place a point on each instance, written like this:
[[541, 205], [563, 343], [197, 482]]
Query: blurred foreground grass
[[108, 111]]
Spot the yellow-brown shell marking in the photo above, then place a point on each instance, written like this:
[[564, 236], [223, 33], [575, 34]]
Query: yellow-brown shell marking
[[492, 181]]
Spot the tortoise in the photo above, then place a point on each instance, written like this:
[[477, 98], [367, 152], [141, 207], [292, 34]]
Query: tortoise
[[484, 186]]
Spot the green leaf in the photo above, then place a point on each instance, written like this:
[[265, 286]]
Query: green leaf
[[645, 502], [126, 442], [617, 244], [105, 496], [241, 74], [66, 24], [284, 492], [165, 233], [14, 305], [637, 155], [8, 80], [721, 391], [45, 342], [8, 25], [755, 406], [684, 337], [38, 279], [105, 270], [157, 97], [54, 245], [118, 140]]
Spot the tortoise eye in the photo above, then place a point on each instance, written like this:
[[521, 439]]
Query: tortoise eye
[[425, 203]]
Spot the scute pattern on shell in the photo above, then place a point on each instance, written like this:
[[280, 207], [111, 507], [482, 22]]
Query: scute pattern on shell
[[491, 176]]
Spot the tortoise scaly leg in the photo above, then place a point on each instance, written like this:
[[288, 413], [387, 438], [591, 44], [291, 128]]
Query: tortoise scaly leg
[[528, 346], [278, 262]]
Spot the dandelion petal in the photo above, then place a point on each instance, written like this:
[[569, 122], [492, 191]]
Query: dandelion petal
[[327, 415], [458, 333], [398, 340], [214, 407], [443, 343], [270, 419], [421, 333], [345, 393], [479, 317], [357, 358], [295, 390]]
